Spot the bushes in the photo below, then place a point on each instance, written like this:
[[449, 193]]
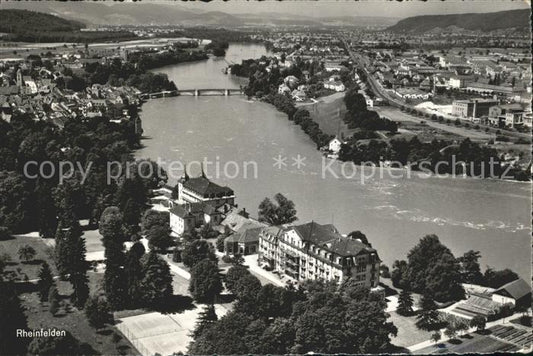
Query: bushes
[[5, 234]]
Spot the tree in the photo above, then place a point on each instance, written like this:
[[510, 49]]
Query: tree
[[76, 264], [98, 312], [46, 281], [220, 243], [15, 202], [196, 251], [152, 218], [405, 303], [496, 279], [233, 275], [318, 318], [13, 319], [26, 253], [470, 269], [205, 283], [60, 345], [450, 331], [206, 318], [427, 302], [157, 282], [399, 274], [159, 238], [274, 301], [246, 290], [5, 234], [277, 338], [432, 268], [132, 212], [223, 337], [478, 322], [429, 320], [278, 213], [53, 298], [436, 336], [111, 229], [175, 192], [134, 274], [461, 326]]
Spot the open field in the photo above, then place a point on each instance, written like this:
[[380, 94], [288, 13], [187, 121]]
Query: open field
[[69, 318], [160, 333], [408, 333], [44, 252], [459, 132], [328, 112]]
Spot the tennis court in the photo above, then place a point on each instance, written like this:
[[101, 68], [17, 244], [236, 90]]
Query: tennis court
[[164, 334]]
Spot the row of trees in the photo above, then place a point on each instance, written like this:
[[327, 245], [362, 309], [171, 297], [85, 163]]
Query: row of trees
[[131, 279], [300, 116], [358, 115]]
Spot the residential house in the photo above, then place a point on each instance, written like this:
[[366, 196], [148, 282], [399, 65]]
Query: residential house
[[336, 85], [517, 293], [335, 145], [244, 241]]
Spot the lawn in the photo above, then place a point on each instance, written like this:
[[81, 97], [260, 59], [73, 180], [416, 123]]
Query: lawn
[[30, 270], [108, 341], [408, 333], [470, 343], [328, 115]]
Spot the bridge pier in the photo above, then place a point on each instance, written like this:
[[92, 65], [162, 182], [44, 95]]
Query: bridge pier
[[226, 92], [196, 92]]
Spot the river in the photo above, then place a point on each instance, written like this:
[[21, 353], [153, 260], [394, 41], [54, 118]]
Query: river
[[486, 215]]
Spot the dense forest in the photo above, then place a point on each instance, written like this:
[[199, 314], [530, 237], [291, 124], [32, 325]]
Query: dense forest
[[19, 21], [30, 26], [28, 203], [117, 73], [519, 19]]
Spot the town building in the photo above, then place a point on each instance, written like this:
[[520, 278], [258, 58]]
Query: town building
[[199, 202], [470, 109], [245, 241], [517, 293], [412, 93], [510, 115], [336, 85], [201, 189], [312, 251]]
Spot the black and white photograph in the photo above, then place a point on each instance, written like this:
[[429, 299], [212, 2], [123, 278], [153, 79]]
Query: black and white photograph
[[270, 177]]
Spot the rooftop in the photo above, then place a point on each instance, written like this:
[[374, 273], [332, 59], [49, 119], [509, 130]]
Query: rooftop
[[203, 186], [327, 237]]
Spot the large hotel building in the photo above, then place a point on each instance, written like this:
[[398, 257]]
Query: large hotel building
[[314, 251]]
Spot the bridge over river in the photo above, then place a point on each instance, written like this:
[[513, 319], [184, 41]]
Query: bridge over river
[[193, 92]]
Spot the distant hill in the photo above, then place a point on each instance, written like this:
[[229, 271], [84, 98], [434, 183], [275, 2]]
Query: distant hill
[[491, 21], [31, 26], [24, 21], [145, 13]]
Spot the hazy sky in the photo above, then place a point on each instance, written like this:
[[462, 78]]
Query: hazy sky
[[386, 8]]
